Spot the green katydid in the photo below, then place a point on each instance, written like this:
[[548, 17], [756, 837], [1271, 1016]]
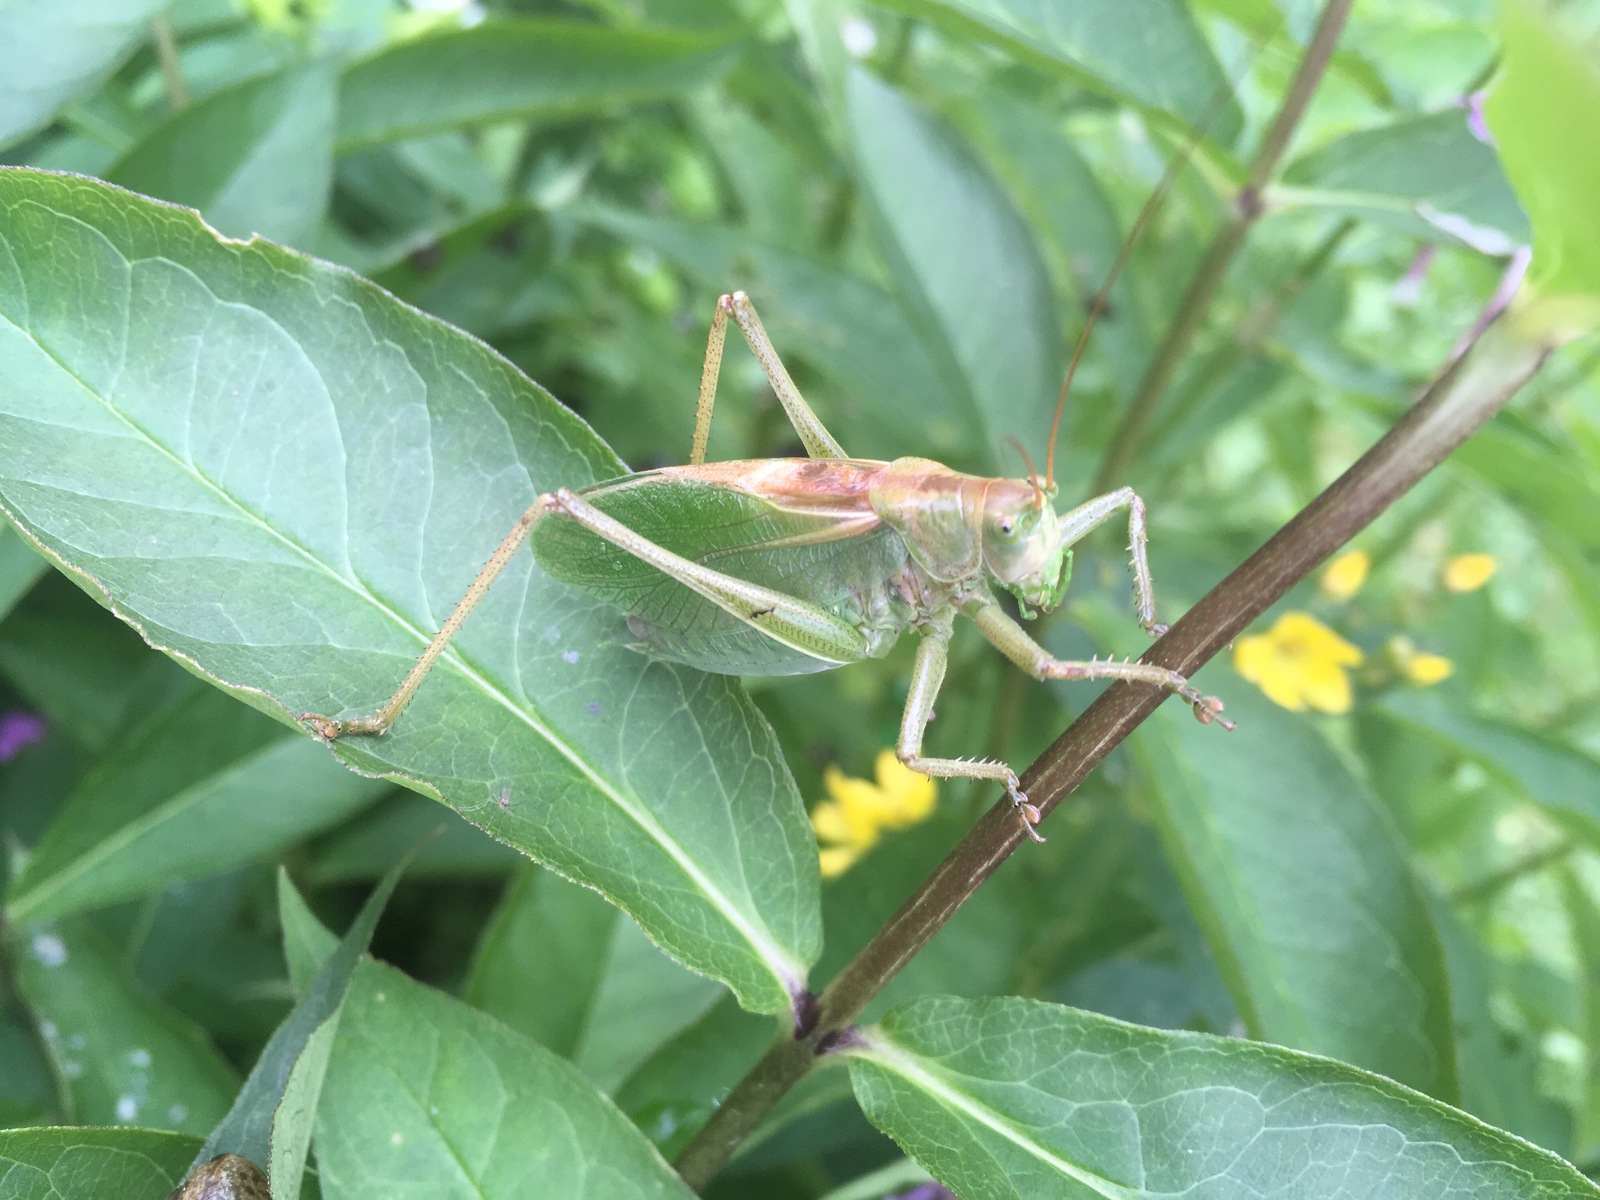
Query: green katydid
[[792, 565]]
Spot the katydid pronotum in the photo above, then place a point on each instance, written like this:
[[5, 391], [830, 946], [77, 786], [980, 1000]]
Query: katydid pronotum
[[792, 565]]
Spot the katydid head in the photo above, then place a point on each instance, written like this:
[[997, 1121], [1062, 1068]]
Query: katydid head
[[1024, 550]]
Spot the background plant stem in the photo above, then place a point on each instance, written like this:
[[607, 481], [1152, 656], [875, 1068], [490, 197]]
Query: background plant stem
[[1213, 268], [1461, 399]]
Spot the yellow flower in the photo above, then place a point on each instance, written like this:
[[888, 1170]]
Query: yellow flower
[[1420, 667], [857, 811], [1345, 575], [1469, 572], [1299, 663]]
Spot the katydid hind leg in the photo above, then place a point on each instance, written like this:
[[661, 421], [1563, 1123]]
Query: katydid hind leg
[[1079, 521], [715, 341], [819, 443], [380, 721], [1008, 637], [806, 627], [927, 676]]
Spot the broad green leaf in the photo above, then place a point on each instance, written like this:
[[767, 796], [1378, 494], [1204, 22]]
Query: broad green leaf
[[1425, 176], [560, 965], [674, 1091], [269, 1120], [1544, 110], [1052, 183], [1148, 52], [426, 1096], [1303, 888], [967, 266], [254, 158], [503, 70], [307, 942], [20, 568], [53, 54], [363, 848], [1562, 779], [124, 1057], [1004, 1097], [79, 668], [92, 1164], [286, 479], [202, 784], [894, 399], [1499, 1070]]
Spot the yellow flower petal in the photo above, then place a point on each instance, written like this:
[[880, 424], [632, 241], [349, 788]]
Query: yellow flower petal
[[1304, 637], [1259, 659], [862, 800], [1425, 670], [1299, 663], [1345, 575], [1325, 686], [836, 860], [908, 796], [1469, 572], [835, 822]]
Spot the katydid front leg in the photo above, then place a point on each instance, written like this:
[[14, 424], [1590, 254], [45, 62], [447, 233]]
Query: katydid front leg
[[1006, 636], [927, 676], [1077, 522]]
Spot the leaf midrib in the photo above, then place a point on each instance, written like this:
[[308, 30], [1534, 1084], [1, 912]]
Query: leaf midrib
[[765, 948], [901, 1062]]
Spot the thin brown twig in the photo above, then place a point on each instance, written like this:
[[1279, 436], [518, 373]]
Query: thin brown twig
[[1465, 395]]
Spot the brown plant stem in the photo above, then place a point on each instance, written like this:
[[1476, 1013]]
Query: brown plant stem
[[1208, 276], [1462, 398]]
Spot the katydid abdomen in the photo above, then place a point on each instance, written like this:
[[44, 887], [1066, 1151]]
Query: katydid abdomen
[[798, 526]]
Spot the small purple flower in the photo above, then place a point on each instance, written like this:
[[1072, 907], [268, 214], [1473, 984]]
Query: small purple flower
[[18, 731], [925, 1191]]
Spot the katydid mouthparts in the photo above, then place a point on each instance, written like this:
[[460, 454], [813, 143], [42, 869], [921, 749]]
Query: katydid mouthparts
[[792, 565]]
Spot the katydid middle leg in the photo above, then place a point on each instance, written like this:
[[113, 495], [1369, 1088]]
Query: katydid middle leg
[[819, 443], [1008, 637], [927, 676]]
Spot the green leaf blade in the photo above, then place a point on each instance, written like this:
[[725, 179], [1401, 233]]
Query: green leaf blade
[[1150, 53], [51, 56], [1304, 891], [124, 1057], [90, 1164], [509, 69], [1007, 1097], [255, 158], [1544, 111], [966, 263], [336, 471], [202, 786], [424, 1093]]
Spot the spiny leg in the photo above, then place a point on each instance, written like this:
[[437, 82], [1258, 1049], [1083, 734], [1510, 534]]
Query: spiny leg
[[806, 627], [380, 721], [927, 676], [1006, 636], [819, 443], [1077, 522]]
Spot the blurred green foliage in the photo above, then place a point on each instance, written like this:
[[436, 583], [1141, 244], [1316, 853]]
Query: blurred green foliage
[[921, 197]]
